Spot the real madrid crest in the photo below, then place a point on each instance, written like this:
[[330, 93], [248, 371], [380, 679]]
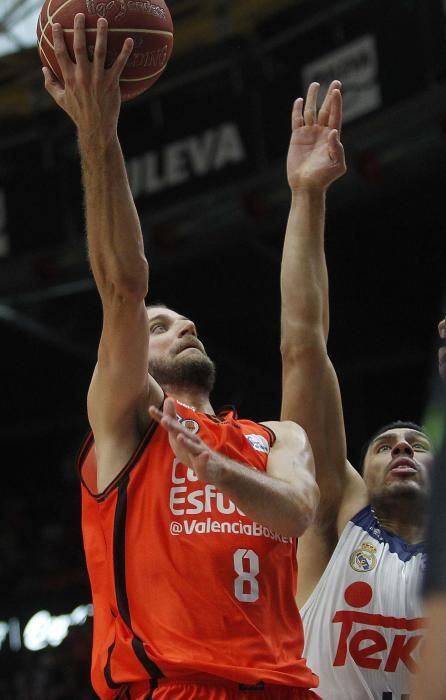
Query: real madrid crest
[[364, 558]]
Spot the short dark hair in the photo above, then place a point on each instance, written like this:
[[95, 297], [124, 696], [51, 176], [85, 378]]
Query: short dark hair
[[396, 425]]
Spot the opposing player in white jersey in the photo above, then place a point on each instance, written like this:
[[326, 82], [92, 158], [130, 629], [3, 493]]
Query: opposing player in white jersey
[[360, 563]]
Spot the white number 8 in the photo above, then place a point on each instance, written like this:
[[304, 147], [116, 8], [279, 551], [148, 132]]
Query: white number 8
[[246, 586]]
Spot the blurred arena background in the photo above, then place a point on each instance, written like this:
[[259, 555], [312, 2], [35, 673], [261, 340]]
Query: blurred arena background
[[206, 152]]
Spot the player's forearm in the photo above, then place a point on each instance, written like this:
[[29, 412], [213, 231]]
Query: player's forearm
[[304, 279], [283, 508], [115, 242]]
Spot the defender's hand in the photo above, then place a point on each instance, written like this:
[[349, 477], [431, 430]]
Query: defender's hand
[[90, 93], [316, 156], [188, 448]]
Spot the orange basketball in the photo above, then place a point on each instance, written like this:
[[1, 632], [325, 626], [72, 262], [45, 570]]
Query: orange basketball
[[147, 22]]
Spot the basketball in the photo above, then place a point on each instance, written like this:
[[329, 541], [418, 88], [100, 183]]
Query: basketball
[[148, 23]]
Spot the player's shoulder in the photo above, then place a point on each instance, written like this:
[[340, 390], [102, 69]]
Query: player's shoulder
[[286, 430]]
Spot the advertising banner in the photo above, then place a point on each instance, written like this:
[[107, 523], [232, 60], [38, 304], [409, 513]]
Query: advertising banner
[[356, 65]]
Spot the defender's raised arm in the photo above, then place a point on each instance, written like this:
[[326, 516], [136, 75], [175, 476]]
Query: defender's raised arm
[[311, 394]]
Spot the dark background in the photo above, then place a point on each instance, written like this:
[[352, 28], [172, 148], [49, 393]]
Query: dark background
[[214, 245]]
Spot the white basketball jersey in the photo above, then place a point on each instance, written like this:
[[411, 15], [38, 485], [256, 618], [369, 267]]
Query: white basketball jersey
[[363, 624]]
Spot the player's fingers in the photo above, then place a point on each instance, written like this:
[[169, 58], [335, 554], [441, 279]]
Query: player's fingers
[[170, 425], [201, 461], [297, 117], [175, 428], [100, 48], [311, 104], [324, 112], [155, 413], [336, 149], [60, 50], [169, 408], [193, 447], [335, 116], [122, 59], [442, 328], [169, 420], [79, 41], [52, 85]]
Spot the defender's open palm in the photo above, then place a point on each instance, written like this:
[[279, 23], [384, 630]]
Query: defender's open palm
[[316, 156], [90, 92], [188, 448]]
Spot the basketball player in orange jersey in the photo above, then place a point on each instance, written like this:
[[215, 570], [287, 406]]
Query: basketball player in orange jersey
[[190, 518], [361, 560]]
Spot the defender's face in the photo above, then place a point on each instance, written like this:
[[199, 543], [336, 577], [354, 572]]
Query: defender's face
[[398, 462], [172, 337]]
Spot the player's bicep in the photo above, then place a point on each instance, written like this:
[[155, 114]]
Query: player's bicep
[[120, 389], [312, 398], [354, 499], [291, 460]]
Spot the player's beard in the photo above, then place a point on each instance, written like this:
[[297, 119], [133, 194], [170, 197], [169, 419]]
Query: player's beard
[[196, 371], [403, 500]]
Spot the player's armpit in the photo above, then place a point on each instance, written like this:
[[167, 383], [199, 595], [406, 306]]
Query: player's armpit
[[121, 388], [354, 498], [311, 397], [314, 551]]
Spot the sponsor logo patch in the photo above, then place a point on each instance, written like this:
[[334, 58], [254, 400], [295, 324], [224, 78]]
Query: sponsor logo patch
[[259, 443]]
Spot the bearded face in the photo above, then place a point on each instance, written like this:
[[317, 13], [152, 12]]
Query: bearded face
[[397, 467], [186, 368], [176, 356]]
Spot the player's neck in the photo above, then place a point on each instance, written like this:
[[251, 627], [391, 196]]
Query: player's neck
[[407, 523], [191, 396]]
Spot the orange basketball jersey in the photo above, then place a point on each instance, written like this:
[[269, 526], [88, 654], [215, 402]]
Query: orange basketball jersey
[[183, 582]]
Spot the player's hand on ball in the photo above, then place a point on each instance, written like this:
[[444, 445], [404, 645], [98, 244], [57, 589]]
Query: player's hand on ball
[[89, 92], [316, 155], [188, 448]]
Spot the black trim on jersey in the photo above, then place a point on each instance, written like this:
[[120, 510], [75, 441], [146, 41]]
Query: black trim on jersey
[[119, 551], [153, 687], [87, 445], [223, 413], [107, 669], [120, 578], [150, 666], [270, 432]]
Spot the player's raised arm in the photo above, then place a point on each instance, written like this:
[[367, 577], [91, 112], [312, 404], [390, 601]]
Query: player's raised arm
[[119, 390], [311, 394]]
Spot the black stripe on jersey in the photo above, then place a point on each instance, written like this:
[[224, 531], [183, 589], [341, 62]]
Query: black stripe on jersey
[[271, 433], [153, 687], [107, 669], [119, 550], [223, 412], [150, 666], [120, 577], [88, 445]]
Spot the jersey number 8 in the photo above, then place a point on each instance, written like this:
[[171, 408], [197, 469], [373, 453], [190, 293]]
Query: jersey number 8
[[246, 586]]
